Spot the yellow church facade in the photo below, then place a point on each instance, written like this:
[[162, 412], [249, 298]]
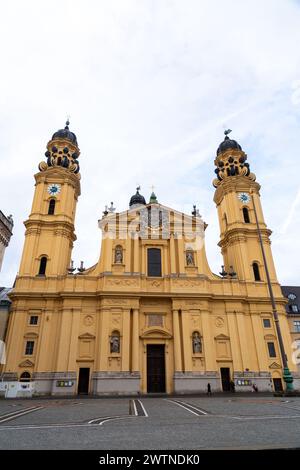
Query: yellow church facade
[[149, 316]]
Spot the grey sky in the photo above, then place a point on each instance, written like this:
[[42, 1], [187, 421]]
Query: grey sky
[[150, 86]]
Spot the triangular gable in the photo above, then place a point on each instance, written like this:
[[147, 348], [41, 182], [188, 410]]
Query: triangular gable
[[274, 365], [26, 363], [222, 337], [86, 336]]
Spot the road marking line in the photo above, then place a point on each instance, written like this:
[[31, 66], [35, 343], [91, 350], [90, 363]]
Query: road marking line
[[182, 406], [264, 417], [5, 415], [194, 407], [144, 410], [9, 418], [46, 426], [134, 406], [99, 419], [114, 418]]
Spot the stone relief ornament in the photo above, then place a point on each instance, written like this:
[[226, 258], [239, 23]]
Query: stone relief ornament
[[219, 322], [122, 282], [116, 321], [88, 320]]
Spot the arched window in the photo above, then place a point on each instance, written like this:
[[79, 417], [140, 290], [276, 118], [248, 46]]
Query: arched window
[[154, 262], [51, 207], [25, 377], [256, 272], [246, 215], [43, 264], [115, 342]]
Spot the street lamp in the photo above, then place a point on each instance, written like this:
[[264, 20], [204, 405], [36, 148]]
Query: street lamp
[[287, 376]]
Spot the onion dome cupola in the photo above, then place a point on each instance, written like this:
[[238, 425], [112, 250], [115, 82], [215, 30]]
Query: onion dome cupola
[[153, 198], [65, 134], [231, 161], [62, 151], [228, 143], [137, 199]]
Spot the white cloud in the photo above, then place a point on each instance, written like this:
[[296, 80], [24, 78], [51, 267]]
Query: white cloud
[[149, 86]]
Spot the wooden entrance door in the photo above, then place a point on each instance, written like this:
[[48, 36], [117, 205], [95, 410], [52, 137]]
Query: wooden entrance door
[[277, 385], [83, 382], [156, 376], [225, 377]]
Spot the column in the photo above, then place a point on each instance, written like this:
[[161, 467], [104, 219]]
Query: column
[[104, 342], [181, 260], [243, 341], [177, 342], [136, 258], [64, 340], [172, 254], [128, 253], [209, 342], [125, 346], [135, 341], [108, 254], [260, 343], [74, 339], [186, 336], [235, 342], [43, 362]]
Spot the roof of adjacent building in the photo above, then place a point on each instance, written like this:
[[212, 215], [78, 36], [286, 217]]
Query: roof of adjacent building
[[4, 299], [287, 290], [7, 221]]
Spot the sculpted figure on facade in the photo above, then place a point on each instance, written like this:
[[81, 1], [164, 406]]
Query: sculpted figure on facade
[[115, 343], [197, 345], [190, 258], [119, 255]]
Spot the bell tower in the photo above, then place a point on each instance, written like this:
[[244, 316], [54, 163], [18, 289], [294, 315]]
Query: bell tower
[[49, 232], [236, 189]]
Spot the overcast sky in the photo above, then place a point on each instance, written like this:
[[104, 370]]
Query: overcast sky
[[150, 87]]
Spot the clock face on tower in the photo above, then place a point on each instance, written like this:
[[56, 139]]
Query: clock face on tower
[[244, 197], [53, 189]]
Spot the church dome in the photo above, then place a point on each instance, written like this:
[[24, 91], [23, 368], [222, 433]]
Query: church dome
[[65, 134], [137, 199], [228, 144]]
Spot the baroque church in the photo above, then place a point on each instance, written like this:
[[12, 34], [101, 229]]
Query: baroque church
[[150, 316]]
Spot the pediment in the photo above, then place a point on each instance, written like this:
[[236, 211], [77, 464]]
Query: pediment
[[269, 337], [223, 337], [86, 336], [26, 363], [31, 334], [275, 365], [156, 333], [188, 218]]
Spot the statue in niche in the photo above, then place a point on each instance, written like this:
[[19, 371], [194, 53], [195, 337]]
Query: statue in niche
[[119, 255], [115, 343], [190, 258], [197, 345]]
